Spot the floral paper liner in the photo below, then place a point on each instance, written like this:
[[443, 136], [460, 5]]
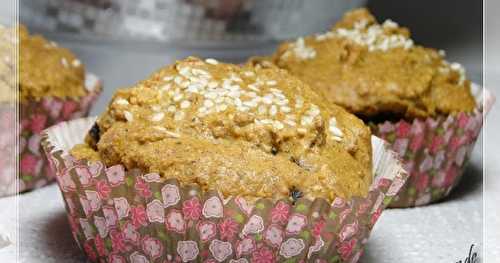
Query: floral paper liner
[[34, 117], [434, 151], [129, 216]]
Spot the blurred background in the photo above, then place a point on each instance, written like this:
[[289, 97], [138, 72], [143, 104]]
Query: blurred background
[[143, 35]]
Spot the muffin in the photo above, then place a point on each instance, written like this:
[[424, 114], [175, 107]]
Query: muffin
[[206, 161], [378, 73], [53, 87], [254, 132]]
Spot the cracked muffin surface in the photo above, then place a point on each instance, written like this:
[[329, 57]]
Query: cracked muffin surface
[[375, 70], [249, 131]]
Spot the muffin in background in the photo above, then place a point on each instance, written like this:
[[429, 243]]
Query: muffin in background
[[206, 161], [53, 87], [409, 94]]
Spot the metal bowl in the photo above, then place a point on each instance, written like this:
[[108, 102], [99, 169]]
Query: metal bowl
[[198, 23]]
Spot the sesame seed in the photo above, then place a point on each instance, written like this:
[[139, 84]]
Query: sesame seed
[[128, 116], [157, 116], [178, 97], [168, 78], [121, 101], [179, 115], [64, 62], [208, 103], [262, 109], [171, 108], [271, 82], [285, 109], [76, 63], [211, 61], [273, 110], [185, 104]]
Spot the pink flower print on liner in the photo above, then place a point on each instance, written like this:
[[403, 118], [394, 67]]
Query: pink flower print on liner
[[263, 255], [191, 209], [83, 175], [207, 230], [426, 164], [338, 202], [213, 208], [53, 106], [154, 211], [86, 206], [318, 228], [244, 205], [175, 222], [29, 163], [116, 175], [386, 127], [318, 244], [103, 189], [152, 247], [240, 260], [436, 144], [292, 247], [34, 144], [122, 207], [400, 146], [416, 142], [403, 129], [295, 224], [220, 250], [152, 178], [279, 213], [142, 188], [422, 182], [94, 200], [137, 257], [424, 199], [375, 216], [274, 236], [110, 215], [138, 215], [100, 223], [254, 225], [117, 241], [228, 229], [346, 248], [38, 122], [187, 250], [87, 228], [348, 231], [89, 251], [129, 233], [114, 258], [245, 247], [396, 185], [95, 168], [451, 175], [170, 195], [68, 108], [99, 245], [461, 156]]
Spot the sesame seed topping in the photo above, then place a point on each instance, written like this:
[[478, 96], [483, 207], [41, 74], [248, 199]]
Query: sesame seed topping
[[211, 61], [128, 116], [64, 62], [185, 104], [157, 116], [121, 101], [76, 63]]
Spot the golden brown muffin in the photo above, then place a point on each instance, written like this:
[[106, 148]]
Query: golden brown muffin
[[48, 70], [376, 70], [243, 130], [7, 64]]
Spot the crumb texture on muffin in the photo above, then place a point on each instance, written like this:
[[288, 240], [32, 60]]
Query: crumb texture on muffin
[[47, 69], [376, 70], [243, 130], [7, 64]]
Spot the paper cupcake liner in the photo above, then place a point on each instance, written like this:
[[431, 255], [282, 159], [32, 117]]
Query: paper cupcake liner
[[34, 117], [434, 151], [130, 216]]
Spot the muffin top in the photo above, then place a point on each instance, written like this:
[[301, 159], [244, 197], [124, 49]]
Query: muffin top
[[245, 131], [376, 71], [7, 64], [47, 69]]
